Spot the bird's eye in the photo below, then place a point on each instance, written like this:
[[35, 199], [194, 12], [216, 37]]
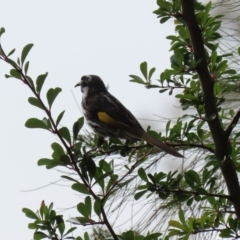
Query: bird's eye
[[83, 84]]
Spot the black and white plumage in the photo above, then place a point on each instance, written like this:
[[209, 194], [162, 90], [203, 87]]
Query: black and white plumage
[[109, 118]]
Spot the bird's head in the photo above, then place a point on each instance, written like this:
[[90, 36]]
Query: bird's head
[[91, 84]]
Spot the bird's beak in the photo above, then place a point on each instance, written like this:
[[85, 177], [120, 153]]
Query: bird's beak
[[78, 84]]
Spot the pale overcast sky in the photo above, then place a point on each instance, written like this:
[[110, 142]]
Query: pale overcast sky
[[71, 38]]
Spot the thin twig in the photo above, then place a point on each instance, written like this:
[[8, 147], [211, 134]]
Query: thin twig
[[66, 146], [192, 145], [194, 193]]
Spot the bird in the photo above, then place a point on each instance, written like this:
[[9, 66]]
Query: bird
[[109, 118]]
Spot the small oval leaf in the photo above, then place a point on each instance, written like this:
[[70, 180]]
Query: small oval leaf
[[11, 52], [59, 118], [35, 123], [52, 94], [14, 73], [65, 134], [77, 127], [79, 187], [40, 81], [97, 206], [35, 102], [144, 70], [25, 52]]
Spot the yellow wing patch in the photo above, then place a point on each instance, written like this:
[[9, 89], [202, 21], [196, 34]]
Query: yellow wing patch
[[103, 117]]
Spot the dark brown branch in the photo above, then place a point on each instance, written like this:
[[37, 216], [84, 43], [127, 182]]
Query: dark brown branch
[[204, 76], [231, 125], [207, 230], [192, 145], [66, 146], [221, 144], [194, 193], [225, 211]]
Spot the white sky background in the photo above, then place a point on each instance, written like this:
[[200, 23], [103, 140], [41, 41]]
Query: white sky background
[[71, 38]]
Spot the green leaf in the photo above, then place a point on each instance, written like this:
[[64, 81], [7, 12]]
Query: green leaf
[[25, 52], [201, 133], [192, 178], [59, 118], [69, 178], [50, 208], [226, 233], [61, 228], [88, 205], [152, 70], [2, 30], [105, 166], [29, 213], [183, 33], [26, 67], [35, 102], [79, 220], [33, 226], [11, 52], [129, 235], [40, 235], [78, 238], [79, 187], [65, 134], [167, 127], [239, 51], [14, 73], [65, 159], [57, 151], [49, 163], [83, 210], [88, 165], [52, 94], [77, 127], [100, 178], [40, 81], [30, 81], [177, 224], [142, 174], [136, 79], [112, 181], [144, 70], [97, 206], [181, 217], [69, 231], [47, 122], [139, 194], [35, 123], [164, 19], [86, 236], [153, 236], [163, 90], [189, 202]]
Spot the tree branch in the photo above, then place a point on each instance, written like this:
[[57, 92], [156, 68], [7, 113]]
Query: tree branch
[[194, 193], [231, 125], [204, 76], [221, 144], [192, 145], [56, 131]]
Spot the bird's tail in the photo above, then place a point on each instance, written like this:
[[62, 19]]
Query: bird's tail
[[157, 143]]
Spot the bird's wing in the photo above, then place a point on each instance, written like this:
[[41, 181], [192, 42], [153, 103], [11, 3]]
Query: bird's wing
[[110, 111]]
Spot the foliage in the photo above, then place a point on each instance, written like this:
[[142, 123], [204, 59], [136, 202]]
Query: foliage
[[205, 79]]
